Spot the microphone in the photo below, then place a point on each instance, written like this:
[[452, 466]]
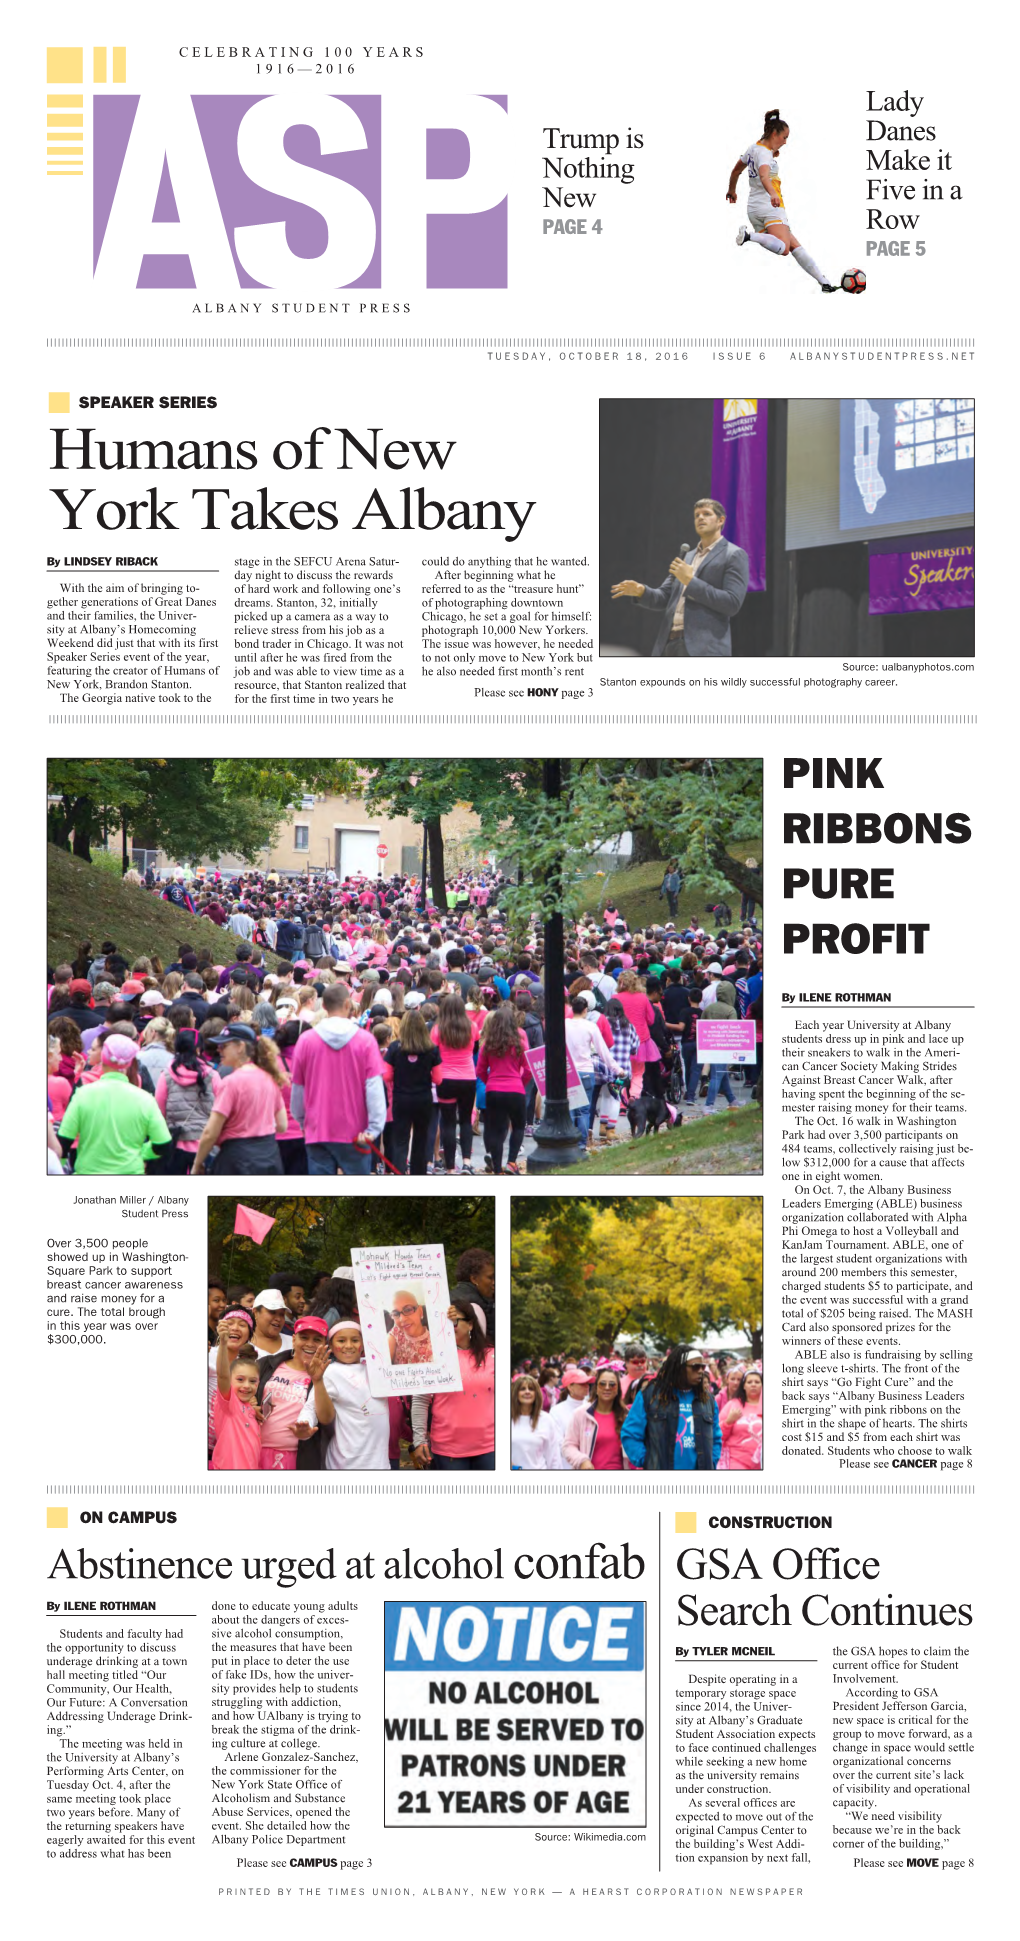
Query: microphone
[[684, 550]]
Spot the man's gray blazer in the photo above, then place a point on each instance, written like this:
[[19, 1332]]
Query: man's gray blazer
[[717, 591]]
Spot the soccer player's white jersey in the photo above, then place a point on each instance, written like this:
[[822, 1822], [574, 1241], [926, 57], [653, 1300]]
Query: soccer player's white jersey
[[756, 158]]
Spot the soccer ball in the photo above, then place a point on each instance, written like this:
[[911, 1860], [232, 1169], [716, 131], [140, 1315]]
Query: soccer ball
[[854, 282]]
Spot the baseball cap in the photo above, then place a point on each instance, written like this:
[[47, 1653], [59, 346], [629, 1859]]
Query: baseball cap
[[150, 999], [270, 1297], [572, 1375], [80, 987], [240, 1033]]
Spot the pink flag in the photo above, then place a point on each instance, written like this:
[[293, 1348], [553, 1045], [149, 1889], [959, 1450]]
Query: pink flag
[[255, 1225]]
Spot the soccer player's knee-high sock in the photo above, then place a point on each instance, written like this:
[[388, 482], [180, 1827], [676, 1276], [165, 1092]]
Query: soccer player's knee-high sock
[[768, 242], [808, 263]]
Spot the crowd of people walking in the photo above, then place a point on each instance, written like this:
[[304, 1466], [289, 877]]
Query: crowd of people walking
[[352, 1027]]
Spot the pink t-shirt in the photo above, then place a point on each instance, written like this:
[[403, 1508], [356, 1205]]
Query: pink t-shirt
[[249, 1101], [742, 1439], [465, 1424], [607, 1453], [456, 1064], [58, 1091], [237, 1432], [334, 1085], [283, 1399]]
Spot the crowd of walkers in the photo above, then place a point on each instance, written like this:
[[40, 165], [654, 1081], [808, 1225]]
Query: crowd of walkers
[[349, 1027], [621, 1411], [288, 1384]]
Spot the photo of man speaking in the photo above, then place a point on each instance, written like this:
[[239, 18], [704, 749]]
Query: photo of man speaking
[[701, 593], [824, 528]]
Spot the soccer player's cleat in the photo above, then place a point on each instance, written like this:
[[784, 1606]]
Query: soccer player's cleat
[[829, 289], [743, 235]]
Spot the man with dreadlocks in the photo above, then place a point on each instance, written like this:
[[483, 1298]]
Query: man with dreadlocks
[[674, 1423]]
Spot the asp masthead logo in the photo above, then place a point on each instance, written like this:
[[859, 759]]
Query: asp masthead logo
[[257, 192]]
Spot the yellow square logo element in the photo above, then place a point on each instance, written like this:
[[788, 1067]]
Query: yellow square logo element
[[64, 64], [56, 1519], [60, 400], [685, 1523]]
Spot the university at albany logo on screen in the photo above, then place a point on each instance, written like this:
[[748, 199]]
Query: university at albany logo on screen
[[302, 191]]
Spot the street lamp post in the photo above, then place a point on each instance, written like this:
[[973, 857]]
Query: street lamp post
[[424, 899], [556, 1140]]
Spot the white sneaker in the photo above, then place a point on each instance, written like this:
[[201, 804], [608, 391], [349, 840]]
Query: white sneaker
[[743, 235]]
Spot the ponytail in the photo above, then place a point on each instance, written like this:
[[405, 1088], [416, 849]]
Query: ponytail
[[774, 123], [267, 1058]]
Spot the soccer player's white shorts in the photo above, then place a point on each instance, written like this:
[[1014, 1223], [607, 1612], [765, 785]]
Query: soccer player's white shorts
[[760, 213]]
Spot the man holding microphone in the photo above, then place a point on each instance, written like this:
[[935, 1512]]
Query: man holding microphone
[[700, 595]]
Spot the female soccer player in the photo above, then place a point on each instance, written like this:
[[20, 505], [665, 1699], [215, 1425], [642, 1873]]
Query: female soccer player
[[767, 219]]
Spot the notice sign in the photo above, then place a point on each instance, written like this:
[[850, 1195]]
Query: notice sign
[[726, 1041], [515, 1714]]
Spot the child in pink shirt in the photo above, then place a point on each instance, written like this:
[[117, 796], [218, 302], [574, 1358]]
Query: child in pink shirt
[[235, 1415]]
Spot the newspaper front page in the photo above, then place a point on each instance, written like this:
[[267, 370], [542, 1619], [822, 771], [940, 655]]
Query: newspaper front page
[[432, 694]]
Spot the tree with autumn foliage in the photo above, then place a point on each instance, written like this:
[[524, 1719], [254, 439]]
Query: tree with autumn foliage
[[587, 1273]]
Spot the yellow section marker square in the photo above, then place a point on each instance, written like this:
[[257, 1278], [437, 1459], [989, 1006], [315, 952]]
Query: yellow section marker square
[[56, 1519], [60, 400], [64, 64], [685, 1523]]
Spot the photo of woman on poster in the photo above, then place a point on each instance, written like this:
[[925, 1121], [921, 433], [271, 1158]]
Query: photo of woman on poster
[[408, 1338]]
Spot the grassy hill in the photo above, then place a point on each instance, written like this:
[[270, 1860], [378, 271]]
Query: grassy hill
[[635, 892], [87, 901], [714, 1147]]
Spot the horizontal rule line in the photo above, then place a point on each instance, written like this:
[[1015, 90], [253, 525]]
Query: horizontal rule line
[[230, 719], [516, 343]]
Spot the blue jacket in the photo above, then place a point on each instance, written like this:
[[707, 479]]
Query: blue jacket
[[290, 936], [677, 1430]]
